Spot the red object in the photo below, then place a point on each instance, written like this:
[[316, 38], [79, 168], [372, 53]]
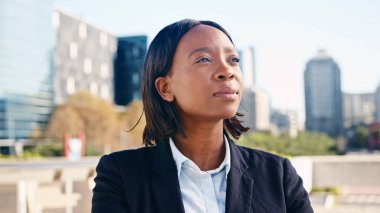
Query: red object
[[66, 139]]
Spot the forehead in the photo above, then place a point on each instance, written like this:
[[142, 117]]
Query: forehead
[[204, 36]]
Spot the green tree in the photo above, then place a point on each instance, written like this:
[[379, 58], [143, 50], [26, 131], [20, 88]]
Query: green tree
[[305, 144]]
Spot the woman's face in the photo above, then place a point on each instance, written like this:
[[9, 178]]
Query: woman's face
[[205, 78]]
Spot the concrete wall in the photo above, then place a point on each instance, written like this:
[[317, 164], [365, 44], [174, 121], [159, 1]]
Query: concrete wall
[[336, 171], [45, 178]]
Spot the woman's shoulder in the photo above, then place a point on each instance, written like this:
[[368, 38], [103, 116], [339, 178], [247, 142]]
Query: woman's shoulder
[[132, 152], [129, 158], [259, 160], [258, 154]]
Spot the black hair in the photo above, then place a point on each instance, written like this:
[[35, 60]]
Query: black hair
[[162, 117]]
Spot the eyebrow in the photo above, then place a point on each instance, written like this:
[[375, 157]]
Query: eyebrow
[[209, 49]]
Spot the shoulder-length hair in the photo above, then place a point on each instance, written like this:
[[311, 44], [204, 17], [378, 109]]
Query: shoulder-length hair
[[162, 117]]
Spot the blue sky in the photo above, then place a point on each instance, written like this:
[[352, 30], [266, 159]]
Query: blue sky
[[285, 35]]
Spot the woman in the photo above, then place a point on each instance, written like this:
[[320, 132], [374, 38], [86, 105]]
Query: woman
[[191, 90]]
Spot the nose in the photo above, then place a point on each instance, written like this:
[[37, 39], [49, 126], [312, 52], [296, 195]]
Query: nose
[[224, 72]]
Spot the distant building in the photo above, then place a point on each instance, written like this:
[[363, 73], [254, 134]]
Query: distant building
[[248, 67], [359, 108], [285, 121], [128, 64], [83, 58], [377, 103], [323, 96], [255, 104], [26, 45]]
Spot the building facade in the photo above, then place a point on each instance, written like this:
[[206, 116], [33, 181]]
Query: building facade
[[284, 121], [26, 88], [377, 103], [359, 109], [128, 64], [83, 58], [256, 107], [323, 96], [248, 67]]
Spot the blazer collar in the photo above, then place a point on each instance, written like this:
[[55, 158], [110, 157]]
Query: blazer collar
[[239, 184], [165, 184], [244, 194], [240, 197]]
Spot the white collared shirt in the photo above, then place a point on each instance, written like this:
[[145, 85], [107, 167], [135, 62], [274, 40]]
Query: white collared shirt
[[202, 191]]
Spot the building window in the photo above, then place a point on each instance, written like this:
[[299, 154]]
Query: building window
[[82, 30], [73, 50], [135, 52], [55, 20], [87, 65], [136, 95], [104, 92], [104, 71], [94, 88], [70, 85], [103, 39], [135, 79], [113, 47]]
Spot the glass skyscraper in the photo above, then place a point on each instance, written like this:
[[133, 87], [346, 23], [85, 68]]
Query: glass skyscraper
[[128, 64], [26, 45], [323, 95]]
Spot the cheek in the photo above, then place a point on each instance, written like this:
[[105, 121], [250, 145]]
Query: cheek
[[239, 77]]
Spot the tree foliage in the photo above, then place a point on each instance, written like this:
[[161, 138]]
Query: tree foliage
[[305, 144], [360, 137], [132, 123], [105, 128], [85, 113]]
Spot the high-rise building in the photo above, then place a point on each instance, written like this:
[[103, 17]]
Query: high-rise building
[[256, 107], [358, 109], [377, 103], [26, 45], [83, 58], [248, 67], [128, 65], [285, 121], [323, 96]]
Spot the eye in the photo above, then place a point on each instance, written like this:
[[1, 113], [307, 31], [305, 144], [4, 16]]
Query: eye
[[203, 60], [234, 60]]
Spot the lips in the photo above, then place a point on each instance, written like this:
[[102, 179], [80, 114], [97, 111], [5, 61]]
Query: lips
[[228, 93]]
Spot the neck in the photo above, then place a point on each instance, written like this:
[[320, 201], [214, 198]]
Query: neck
[[203, 144]]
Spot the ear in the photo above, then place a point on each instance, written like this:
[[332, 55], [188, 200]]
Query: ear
[[163, 88]]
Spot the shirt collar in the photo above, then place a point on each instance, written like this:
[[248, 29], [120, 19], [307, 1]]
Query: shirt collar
[[179, 158]]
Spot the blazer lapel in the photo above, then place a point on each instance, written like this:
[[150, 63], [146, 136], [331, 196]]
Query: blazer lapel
[[243, 193], [165, 184], [239, 184]]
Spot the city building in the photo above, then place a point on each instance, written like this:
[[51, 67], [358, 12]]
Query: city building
[[26, 88], [248, 67], [358, 109], [284, 121], [256, 107], [323, 96], [83, 58], [128, 64], [377, 103]]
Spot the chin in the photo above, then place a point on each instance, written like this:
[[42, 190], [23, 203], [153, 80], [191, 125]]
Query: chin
[[227, 114]]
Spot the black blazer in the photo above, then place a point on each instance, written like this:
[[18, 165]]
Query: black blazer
[[145, 180]]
